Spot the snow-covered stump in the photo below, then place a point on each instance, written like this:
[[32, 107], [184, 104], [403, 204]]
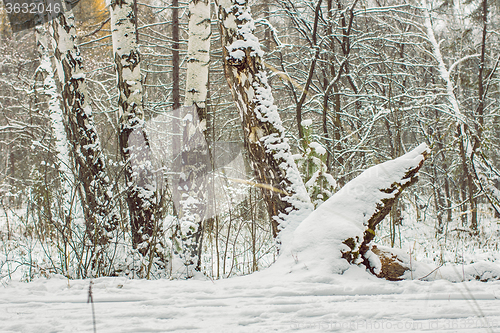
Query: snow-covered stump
[[92, 179], [392, 266], [338, 233], [264, 136], [134, 143]]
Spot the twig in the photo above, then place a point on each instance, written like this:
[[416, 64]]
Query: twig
[[266, 186], [435, 269], [99, 28], [91, 300]]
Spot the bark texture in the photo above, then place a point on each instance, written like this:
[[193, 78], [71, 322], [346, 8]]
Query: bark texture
[[198, 54], [176, 94], [134, 143], [193, 162], [53, 98], [268, 149], [93, 182]]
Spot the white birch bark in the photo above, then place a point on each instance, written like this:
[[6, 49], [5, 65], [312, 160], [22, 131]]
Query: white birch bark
[[271, 158], [193, 160], [69, 207], [134, 143], [198, 53], [56, 116]]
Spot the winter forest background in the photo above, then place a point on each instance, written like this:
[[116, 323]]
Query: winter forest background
[[84, 192]]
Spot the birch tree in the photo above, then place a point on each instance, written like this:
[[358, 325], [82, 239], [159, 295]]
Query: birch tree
[[68, 208], [176, 95], [56, 116], [264, 136], [198, 56], [134, 143], [93, 182], [193, 157]]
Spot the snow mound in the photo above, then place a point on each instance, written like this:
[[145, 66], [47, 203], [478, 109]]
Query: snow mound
[[317, 243], [482, 271]]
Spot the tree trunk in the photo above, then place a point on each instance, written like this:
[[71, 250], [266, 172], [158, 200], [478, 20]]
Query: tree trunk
[[198, 54], [93, 182], [66, 207], [479, 116], [264, 138], [134, 143], [175, 55], [176, 107], [56, 115], [335, 148], [312, 66], [193, 161]]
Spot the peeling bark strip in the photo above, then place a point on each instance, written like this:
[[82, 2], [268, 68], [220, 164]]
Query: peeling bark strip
[[94, 187], [265, 141], [134, 143]]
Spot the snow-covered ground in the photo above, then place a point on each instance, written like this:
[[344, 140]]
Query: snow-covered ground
[[261, 302], [310, 288]]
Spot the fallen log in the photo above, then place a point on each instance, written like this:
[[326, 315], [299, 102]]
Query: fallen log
[[338, 233], [360, 247]]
